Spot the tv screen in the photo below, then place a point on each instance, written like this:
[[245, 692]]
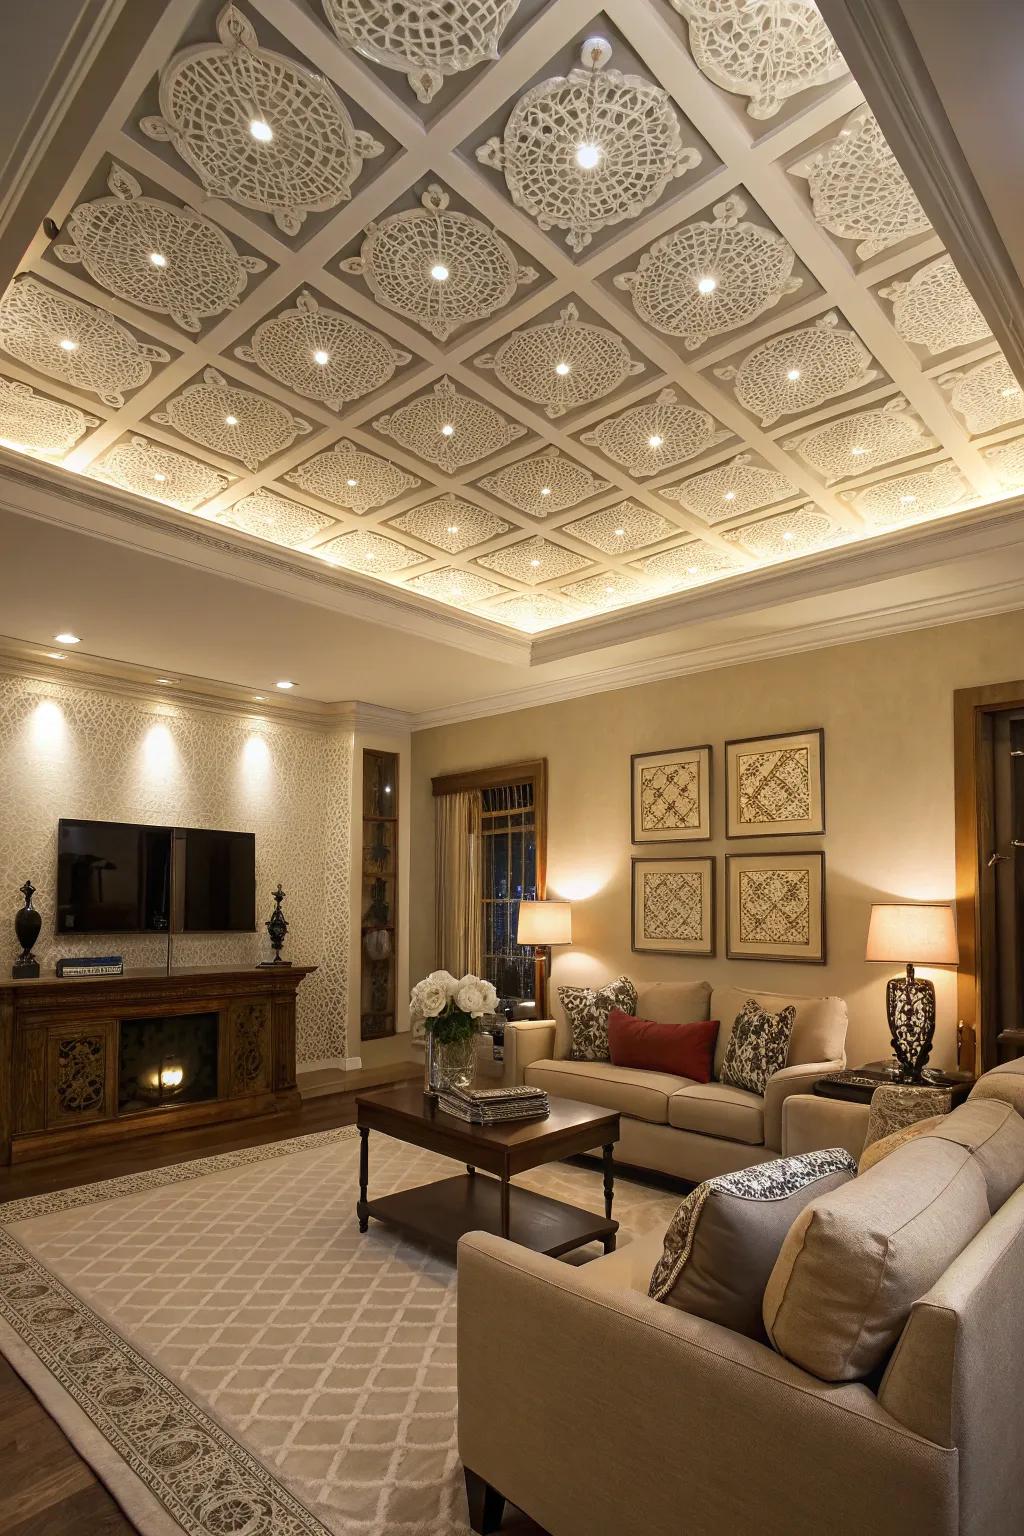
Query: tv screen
[[220, 882]]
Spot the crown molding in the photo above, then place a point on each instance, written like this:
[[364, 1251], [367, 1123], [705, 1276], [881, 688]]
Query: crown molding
[[983, 602], [879, 47]]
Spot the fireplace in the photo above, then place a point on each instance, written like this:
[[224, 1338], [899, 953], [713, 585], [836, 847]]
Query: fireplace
[[165, 1060]]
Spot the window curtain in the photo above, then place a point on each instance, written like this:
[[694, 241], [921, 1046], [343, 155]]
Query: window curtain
[[458, 884]]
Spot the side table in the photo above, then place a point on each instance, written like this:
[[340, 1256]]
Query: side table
[[857, 1086]]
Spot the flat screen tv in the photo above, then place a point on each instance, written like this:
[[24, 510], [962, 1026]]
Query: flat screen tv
[[116, 877]]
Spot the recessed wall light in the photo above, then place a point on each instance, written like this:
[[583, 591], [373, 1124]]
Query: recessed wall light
[[321, 358], [284, 684], [157, 259], [447, 430], [588, 156], [562, 369], [439, 272], [67, 345], [707, 285], [793, 374], [655, 440], [261, 130], [67, 638], [231, 421]]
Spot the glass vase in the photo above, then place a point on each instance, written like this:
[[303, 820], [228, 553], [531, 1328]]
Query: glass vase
[[431, 1066], [457, 1062]]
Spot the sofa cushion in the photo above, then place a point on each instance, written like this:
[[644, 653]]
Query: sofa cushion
[[644, 1095], [855, 1261], [587, 1009], [666, 1002], [758, 1046], [715, 1109], [723, 1241], [819, 1023], [686, 1050], [994, 1132], [1005, 1082]]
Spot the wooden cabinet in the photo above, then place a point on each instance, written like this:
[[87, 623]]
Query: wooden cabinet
[[73, 1054]]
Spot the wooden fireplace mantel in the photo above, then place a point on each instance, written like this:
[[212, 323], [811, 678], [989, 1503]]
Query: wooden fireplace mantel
[[60, 1051]]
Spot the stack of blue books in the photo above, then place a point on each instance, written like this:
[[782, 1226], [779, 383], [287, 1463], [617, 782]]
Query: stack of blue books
[[91, 965]]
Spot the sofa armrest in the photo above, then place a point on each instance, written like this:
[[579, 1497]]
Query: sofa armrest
[[599, 1412], [810, 1123], [780, 1085], [526, 1041]]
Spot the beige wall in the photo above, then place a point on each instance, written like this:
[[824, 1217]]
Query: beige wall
[[887, 710]]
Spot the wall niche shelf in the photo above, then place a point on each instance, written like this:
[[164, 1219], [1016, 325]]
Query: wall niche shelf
[[379, 906]]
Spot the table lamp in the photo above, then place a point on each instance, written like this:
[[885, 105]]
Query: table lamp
[[542, 924], [912, 933]]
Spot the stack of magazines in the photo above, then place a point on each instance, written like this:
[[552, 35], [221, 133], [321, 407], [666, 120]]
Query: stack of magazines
[[493, 1106]]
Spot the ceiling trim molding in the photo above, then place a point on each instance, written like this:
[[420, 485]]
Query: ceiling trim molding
[[984, 602], [879, 47]]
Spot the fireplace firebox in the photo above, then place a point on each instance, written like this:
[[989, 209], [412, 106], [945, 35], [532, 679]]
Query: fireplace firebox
[[167, 1059]]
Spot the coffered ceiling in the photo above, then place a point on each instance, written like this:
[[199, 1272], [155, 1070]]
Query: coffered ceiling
[[528, 311]]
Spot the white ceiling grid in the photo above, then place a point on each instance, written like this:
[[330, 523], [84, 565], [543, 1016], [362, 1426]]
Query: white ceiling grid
[[534, 311]]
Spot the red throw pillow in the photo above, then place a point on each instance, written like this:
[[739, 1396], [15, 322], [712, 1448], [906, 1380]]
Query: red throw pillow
[[684, 1050]]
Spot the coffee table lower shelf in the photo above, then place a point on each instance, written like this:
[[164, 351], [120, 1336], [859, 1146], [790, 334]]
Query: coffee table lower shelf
[[444, 1211]]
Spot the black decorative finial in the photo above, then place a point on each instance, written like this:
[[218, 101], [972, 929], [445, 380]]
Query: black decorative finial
[[27, 923], [277, 927]]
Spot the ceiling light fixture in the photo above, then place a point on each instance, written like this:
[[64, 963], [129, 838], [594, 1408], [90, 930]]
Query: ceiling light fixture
[[545, 490], [447, 430], [692, 570], [259, 698], [321, 358], [1011, 389], [588, 156], [788, 535], [157, 259], [352, 482], [562, 369], [707, 285], [261, 130], [655, 440], [370, 555], [858, 451], [57, 655], [67, 638], [729, 496], [610, 591], [439, 272], [535, 564], [284, 684], [905, 501], [168, 682], [453, 527], [67, 345], [231, 421], [793, 375], [620, 533], [159, 478]]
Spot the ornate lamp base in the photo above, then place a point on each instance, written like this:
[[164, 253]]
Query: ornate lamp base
[[910, 1008]]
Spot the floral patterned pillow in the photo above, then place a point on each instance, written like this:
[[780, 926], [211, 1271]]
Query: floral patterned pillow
[[587, 1009], [758, 1047]]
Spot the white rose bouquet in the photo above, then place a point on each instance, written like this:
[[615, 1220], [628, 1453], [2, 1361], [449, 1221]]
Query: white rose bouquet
[[451, 1008]]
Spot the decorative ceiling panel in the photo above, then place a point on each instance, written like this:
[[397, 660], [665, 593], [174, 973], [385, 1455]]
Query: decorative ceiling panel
[[450, 523], [440, 268], [457, 587], [276, 518], [934, 309], [159, 473], [424, 42], [590, 148], [546, 482], [33, 423], [908, 497], [74, 343], [534, 611], [986, 396], [767, 50], [562, 364], [1007, 460], [621, 528], [731, 490], [231, 420], [858, 190], [448, 428], [795, 372], [321, 353], [785, 535], [348, 476], [366, 551], [853, 445], [688, 565], [650, 438], [205, 92], [534, 560], [609, 590]]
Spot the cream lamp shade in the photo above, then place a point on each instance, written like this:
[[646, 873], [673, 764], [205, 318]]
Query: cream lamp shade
[[544, 922], [914, 933]]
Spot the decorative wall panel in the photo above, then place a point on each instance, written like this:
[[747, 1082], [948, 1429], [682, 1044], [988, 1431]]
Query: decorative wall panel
[[425, 42], [800, 369], [858, 190], [322, 353], [231, 420], [674, 906], [563, 363], [450, 523], [775, 907], [855, 444], [670, 795], [33, 423], [731, 490], [351, 477], [767, 50], [657, 435]]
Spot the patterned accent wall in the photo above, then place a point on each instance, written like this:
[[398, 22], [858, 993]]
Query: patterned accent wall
[[68, 750]]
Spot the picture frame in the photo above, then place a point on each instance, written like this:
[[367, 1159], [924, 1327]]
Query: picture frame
[[673, 906], [775, 785], [775, 907], [670, 795]]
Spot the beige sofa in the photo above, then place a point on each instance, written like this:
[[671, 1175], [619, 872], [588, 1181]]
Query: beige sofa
[[603, 1413], [672, 1124]]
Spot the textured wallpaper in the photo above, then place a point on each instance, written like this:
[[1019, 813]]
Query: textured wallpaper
[[72, 751]]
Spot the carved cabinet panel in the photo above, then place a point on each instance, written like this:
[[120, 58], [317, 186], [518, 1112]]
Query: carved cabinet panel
[[250, 1046], [77, 1075]]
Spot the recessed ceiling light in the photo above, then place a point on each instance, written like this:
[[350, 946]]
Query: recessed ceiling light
[[655, 440], [352, 482], [707, 285], [453, 527], [692, 570], [159, 477], [447, 430], [439, 272], [67, 638], [535, 564], [259, 698], [562, 369], [788, 535], [231, 421], [57, 655], [588, 156], [67, 345], [284, 684], [370, 555], [321, 358], [168, 682], [1011, 389], [905, 501], [793, 375], [157, 259], [261, 131], [729, 496], [610, 590], [858, 451], [456, 591], [545, 490], [620, 533]]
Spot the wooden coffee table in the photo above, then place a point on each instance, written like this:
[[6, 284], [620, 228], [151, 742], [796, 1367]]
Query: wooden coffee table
[[473, 1202]]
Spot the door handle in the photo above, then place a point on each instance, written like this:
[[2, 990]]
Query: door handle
[[997, 858], [1016, 843]]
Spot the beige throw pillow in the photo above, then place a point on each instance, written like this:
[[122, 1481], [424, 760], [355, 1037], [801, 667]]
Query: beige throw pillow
[[725, 1237], [855, 1261]]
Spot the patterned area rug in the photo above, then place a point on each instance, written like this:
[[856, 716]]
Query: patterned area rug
[[234, 1359]]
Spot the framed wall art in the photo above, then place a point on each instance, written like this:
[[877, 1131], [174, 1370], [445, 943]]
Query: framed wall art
[[775, 785], [670, 798], [775, 907], [674, 906]]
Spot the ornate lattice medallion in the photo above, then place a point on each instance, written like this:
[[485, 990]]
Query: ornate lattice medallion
[[563, 363], [935, 309], [231, 420], [438, 267], [371, 552], [544, 483], [711, 277], [449, 429], [855, 444], [657, 435], [450, 523], [350, 477], [858, 190], [534, 560], [424, 42], [458, 588], [986, 396], [787, 534], [160, 473], [533, 611], [621, 529], [909, 497], [31, 423], [273, 517], [767, 50], [167, 259], [589, 149], [322, 353], [1007, 461], [800, 369], [258, 128], [603, 593], [731, 489], [73, 342], [687, 565]]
